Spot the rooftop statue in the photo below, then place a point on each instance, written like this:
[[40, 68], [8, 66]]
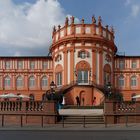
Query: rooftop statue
[[93, 20]]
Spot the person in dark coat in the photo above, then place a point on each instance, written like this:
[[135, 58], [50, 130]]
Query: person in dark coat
[[78, 101]]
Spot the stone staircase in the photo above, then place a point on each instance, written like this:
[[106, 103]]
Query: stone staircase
[[98, 119]]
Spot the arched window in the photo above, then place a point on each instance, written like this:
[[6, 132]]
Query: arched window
[[32, 81], [82, 72], [121, 81], [44, 81], [7, 81], [59, 78], [19, 81], [58, 75], [107, 74], [133, 81]]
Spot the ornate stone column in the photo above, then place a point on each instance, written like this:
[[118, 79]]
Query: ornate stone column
[[101, 67], [94, 63], [13, 82], [26, 82], [65, 65], [38, 82], [72, 64]]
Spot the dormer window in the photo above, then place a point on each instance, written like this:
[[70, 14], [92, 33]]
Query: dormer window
[[83, 54]]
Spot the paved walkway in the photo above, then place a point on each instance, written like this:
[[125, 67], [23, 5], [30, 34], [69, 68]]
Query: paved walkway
[[84, 112], [75, 127]]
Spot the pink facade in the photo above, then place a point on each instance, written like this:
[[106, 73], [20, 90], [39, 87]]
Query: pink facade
[[127, 75], [25, 75], [83, 55]]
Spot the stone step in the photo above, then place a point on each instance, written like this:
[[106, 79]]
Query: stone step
[[81, 119], [80, 122]]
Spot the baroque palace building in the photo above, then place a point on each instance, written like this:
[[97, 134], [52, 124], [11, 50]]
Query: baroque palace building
[[83, 58]]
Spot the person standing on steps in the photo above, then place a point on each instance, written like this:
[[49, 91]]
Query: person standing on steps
[[78, 101]]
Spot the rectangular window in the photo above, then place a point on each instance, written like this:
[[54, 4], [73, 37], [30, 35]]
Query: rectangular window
[[19, 83], [20, 65], [7, 83], [45, 65], [133, 83], [134, 64], [121, 83], [32, 82], [59, 79], [122, 64], [32, 65], [82, 76], [7, 65]]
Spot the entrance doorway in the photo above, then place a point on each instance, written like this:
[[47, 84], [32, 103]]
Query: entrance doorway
[[82, 98]]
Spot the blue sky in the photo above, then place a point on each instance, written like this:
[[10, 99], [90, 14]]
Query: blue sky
[[119, 13], [124, 15]]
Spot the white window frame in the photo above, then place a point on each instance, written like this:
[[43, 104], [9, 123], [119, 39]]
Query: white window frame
[[7, 81], [19, 81], [133, 81], [134, 64], [7, 64], [32, 65], [32, 82], [59, 79], [20, 64], [121, 81], [44, 81], [45, 65], [121, 64]]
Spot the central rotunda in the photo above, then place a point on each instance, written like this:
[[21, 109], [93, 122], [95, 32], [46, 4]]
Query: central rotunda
[[83, 56]]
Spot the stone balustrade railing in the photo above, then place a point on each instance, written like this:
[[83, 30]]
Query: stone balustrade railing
[[21, 106], [125, 107], [83, 29]]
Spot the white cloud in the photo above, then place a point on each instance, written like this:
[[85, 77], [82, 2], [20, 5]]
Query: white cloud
[[27, 26], [135, 10], [127, 2]]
